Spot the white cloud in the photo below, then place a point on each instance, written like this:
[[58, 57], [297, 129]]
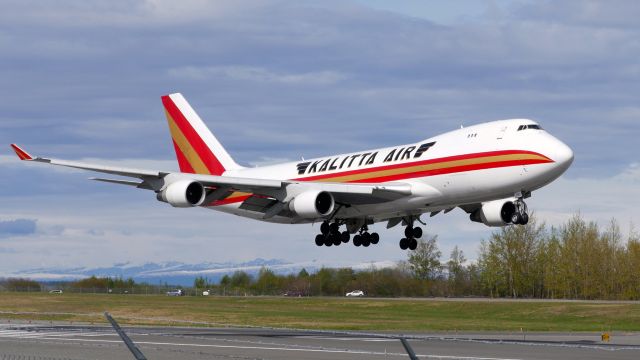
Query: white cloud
[[257, 74]]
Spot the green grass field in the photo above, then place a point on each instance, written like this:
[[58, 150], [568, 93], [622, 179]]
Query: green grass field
[[327, 313]]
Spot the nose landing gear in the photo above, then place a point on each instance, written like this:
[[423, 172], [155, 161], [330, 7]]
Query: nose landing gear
[[520, 216]]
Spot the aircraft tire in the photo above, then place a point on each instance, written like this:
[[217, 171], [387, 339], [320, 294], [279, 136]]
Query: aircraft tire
[[334, 228], [345, 237], [404, 243], [319, 239], [408, 232], [417, 232], [324, 228], [365, 241], [374, 238], [413, 244], [336, 240], [515, 218], [357, 240], [525, 219]]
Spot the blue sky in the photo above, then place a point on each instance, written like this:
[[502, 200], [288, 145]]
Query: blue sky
[[276, 80]]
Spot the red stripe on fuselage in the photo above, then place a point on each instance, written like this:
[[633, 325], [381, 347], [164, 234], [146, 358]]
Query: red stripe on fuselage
[[208, 158], [449, 170], [434, 172], [417, 163]]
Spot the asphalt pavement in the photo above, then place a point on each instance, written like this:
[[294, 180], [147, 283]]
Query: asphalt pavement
[[37, 341]]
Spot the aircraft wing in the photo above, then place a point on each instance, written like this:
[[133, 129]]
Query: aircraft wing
[[221, 187]]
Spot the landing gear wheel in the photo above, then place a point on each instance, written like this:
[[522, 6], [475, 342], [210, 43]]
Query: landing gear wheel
[[366, 239], [515, 218], [374, 238], [327, 241], [408, 231], [334, 228], [337, 240], [319, 239], [357, 240], [404, 243], [417, 232], [525, 219], [345, 236], [324, 228], [413, 244]]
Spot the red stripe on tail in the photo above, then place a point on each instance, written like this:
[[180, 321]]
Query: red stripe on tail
[[184, 164], [208, 158]]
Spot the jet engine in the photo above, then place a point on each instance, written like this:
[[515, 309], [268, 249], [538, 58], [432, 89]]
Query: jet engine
[[183, 193], [495, 213], [312, 204]]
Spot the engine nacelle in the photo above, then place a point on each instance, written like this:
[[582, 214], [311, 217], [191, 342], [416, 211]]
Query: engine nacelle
[[183, 193], [495, 213], [312, 204]]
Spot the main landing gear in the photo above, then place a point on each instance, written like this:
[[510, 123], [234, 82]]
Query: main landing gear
[[520, 216], [411, 233], [365, 238], [330, 235]]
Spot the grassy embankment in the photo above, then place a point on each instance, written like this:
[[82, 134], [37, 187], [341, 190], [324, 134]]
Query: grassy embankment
[[328, 313]]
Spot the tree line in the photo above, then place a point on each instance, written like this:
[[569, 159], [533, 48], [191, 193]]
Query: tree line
[[577, 260]]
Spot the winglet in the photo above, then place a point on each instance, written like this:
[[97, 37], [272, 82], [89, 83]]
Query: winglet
[[23, 155]]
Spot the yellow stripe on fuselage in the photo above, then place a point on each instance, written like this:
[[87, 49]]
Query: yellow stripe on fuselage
[[430, 167]]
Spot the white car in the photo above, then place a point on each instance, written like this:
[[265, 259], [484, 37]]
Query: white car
[[356, 293], [206, 293]]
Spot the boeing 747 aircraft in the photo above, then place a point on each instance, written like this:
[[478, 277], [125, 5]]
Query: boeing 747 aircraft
[[487, 170]]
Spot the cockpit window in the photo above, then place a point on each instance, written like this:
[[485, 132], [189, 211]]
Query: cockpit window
[[530, 126]]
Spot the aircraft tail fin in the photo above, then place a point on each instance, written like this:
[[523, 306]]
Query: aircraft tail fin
[[197, 149]]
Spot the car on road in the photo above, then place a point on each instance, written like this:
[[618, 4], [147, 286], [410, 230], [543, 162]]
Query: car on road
[[355, 293], [57, 291], [177, 292]]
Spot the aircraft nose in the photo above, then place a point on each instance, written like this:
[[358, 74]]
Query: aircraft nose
[[562, 154]]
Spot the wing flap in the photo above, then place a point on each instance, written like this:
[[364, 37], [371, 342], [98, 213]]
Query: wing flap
[[138, 184]]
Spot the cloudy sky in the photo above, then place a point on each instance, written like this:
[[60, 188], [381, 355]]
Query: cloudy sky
[[277, 80]]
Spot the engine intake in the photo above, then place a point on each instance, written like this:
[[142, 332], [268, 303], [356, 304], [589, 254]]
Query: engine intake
[[495, 213], [312, 204], [183, 193]]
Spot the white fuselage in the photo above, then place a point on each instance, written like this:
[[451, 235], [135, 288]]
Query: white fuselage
[[474, 164]]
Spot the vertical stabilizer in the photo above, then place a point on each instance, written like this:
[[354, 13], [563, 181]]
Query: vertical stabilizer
[[197, 149]]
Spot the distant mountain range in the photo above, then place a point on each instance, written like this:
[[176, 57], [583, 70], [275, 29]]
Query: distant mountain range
[[178, 273]]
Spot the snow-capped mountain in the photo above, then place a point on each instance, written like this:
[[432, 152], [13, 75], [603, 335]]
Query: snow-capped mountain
[[178, 273]]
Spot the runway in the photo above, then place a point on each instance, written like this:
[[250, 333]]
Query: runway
[[53, 342]]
